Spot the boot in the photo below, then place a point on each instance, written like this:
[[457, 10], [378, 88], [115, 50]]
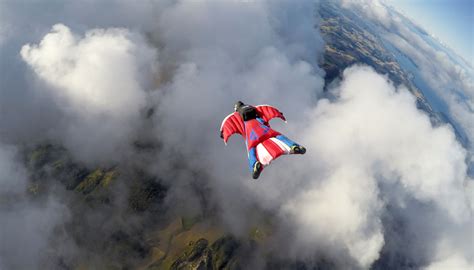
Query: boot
[[298, 149], [257, 169]]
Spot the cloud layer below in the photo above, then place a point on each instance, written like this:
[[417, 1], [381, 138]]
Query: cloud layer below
[[100, 84]]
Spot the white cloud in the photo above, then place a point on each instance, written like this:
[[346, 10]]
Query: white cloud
[[232, 51], [454, 262], [99, 81], [371, 136], [374, 9], [340, 214]]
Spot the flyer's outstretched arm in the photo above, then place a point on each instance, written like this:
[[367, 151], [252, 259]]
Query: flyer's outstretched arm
[[268, 112], [231, 125]]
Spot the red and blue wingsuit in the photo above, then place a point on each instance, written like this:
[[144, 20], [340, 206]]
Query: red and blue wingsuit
[[263, 143]]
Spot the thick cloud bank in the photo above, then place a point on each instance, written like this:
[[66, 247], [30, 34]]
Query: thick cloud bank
[[370, 138], [99, 82]]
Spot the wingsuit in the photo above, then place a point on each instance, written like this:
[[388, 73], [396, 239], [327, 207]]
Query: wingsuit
[[264, 144]]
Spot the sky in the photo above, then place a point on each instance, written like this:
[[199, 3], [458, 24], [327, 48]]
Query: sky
[[451, 21]]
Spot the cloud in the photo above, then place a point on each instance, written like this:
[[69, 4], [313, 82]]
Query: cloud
[[372, 136], [28, 22], [226, 52], [455, 262], [26, 225], [35, 224], [11, 168], [369, 151], [83, 87], [375, 10], [99, 82], [354, 224]]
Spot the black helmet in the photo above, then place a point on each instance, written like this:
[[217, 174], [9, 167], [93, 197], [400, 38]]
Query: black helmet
[[237, 105]]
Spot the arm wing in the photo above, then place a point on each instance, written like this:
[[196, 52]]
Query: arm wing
[[268, 112], [230, 125]]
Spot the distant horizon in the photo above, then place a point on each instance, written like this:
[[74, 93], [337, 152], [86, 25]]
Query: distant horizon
[[448, 21]]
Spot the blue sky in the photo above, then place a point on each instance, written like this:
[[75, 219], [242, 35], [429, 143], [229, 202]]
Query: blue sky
[[451, 21]]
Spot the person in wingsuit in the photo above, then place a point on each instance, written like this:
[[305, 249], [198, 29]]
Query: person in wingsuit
[[263, 143]]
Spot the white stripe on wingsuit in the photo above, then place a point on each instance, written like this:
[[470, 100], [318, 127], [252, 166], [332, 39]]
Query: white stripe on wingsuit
[[268, 106], [282, 145], [263, 155]]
